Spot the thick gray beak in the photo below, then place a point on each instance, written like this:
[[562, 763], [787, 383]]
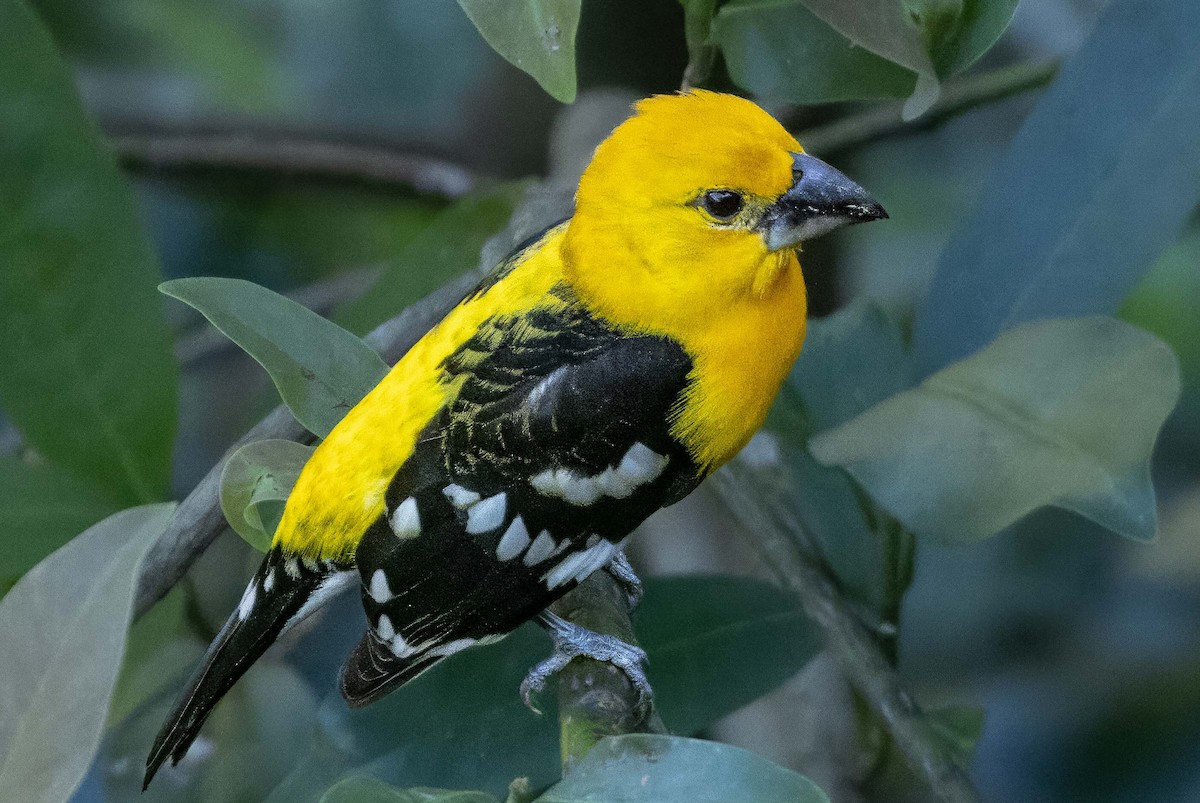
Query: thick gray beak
[[821, 199]]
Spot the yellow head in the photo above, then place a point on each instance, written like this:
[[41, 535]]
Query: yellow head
[[698, 202]]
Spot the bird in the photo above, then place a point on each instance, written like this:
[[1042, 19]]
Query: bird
[[596, 375]]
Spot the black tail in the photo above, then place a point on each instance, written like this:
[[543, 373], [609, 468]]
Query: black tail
[[283, 591]]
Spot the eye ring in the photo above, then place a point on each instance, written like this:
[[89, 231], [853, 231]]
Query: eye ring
[[722, 204]]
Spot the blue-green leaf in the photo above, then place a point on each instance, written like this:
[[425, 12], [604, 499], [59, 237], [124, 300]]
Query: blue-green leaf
[[782, 50], [255, 484], [86, 370], [1096, 184], [41, 508], [649, 768], [364, 789], [320, 369], [698, 632], [449, 246], [63, 627], [538, 36], [1061, 412]]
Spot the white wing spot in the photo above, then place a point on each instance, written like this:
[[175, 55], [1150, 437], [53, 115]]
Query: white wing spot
[[546, 483], [514, 540], [641, 464], [269, 580], [292, 567], [381, 592], [247, 604], [462, 498], [406, 520], [384, 629], [311, 565], [580, 565], [580, 490], [543, 547], [563, 544], [487, 515], [565, 570]]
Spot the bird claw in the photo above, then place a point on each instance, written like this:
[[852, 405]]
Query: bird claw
[[572, 641], [626, 578]]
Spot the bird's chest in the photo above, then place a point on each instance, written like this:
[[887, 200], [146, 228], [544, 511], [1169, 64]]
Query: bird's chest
[[740, 362]]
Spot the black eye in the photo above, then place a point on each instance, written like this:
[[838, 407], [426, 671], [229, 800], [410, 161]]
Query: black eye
[[722, 204]]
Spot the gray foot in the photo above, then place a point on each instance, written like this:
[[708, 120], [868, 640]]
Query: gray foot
[[572, 641], [623, 573]]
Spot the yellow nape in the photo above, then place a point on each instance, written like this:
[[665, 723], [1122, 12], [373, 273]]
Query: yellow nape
[[642, 252], [340, 492]]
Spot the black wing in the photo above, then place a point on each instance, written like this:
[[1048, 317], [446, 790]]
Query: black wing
[[557, 446]]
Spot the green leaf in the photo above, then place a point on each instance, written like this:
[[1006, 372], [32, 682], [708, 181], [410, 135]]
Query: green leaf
[[359, 789], [852, 360], [41, 508], [649, 768], [1095, 185], [889, 29], [960, 728], [975, 28], [86, 370], [782, 50], [476, 733], [448, 246], [1061, 412], [63, 627], [699, 629], [319, 368], [537, 36], [256, 475], [247, 745], [697, 27]]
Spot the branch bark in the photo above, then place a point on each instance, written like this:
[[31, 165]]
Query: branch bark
[[596, 699], [791, 555], [302, 158]]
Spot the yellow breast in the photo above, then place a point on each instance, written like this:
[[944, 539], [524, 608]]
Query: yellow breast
[[340, 492], [740, 358]]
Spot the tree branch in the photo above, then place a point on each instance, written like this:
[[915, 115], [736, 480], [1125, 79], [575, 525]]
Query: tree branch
[[791, 555], [295, 157], [198, 520], [595, 699], [961, 95]]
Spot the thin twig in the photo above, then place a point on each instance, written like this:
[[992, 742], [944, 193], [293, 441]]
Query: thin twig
[[294, 157], [790, 554], [198, 520], [884, 120]]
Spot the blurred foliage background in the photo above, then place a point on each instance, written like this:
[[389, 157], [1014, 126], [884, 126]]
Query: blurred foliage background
[[1081, 649]]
